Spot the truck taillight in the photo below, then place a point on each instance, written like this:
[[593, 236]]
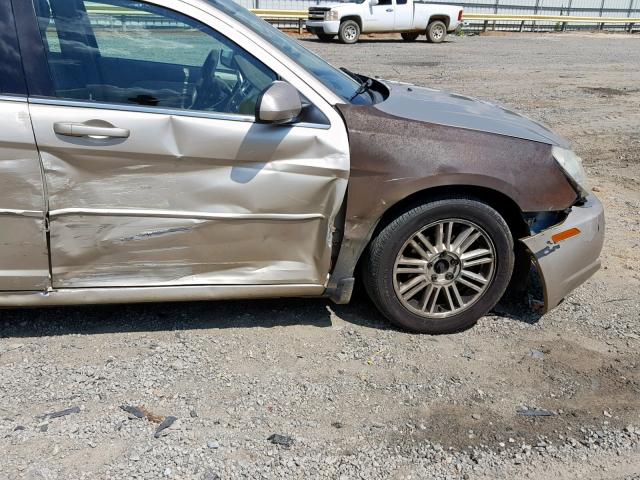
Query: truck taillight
[[460, 15]]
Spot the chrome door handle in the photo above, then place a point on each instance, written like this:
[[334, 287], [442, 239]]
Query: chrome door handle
[[84, 130], [389, 9]]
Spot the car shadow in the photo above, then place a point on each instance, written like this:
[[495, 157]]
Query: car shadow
[[521, 307], [152, 317]]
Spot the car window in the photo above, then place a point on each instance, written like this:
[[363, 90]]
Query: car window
[[384, 2], [339, 82], [11, 74], [401, 2], [130, 52]]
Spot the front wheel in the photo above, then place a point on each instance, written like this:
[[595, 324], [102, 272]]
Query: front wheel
[[436, 31], [440, 266], [410, 36], [349, 32]]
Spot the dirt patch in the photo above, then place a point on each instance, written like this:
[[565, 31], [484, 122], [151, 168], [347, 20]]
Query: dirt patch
[[419, 63], [574, 384], [607, 91]]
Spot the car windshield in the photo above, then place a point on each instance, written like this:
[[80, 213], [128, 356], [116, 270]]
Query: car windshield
[[336, 80]]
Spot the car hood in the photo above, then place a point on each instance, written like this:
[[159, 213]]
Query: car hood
[[449, 109]]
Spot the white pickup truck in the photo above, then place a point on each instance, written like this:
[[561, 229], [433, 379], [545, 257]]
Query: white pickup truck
[[409, 17]]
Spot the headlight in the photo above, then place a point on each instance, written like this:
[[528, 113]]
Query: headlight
[[572, 166], [332, 16]]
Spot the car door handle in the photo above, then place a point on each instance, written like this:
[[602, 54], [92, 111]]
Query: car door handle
[[389, 9], [84, 130]]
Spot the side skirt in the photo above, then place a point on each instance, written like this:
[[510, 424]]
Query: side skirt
[[78, 296]]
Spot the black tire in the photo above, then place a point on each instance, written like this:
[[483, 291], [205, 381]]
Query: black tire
[[410, 36], [325, 37], [378, 265], [349, 32], [436, 31]]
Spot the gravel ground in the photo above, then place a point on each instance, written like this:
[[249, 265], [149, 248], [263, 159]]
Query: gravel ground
[[347, 395]]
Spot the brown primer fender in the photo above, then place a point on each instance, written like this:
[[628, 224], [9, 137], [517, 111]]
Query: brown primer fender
[[393, 157]]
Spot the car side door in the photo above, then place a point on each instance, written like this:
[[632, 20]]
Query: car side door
[[404, 11], [24, 259], [379, 17], [156, 170]]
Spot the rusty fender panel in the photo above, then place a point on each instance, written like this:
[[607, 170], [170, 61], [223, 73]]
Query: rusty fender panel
[[190, 200], [392, 157], [24, 259]]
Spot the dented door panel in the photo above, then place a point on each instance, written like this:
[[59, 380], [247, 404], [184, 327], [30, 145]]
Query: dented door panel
[[113, 251], [189, 200], [24, 263]]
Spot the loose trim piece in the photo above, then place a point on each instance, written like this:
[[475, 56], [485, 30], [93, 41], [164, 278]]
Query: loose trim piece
[[21, 213], [127, 212]]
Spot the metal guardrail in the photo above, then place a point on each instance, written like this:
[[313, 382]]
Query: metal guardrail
[[301, 15], [562, 20], [547, 18]]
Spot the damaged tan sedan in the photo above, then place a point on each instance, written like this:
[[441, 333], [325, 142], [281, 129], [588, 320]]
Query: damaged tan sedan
[[186, 150]]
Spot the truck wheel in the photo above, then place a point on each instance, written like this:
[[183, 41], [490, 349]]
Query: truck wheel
[[325, 37], [410, 36], [440, 266], [349, 31], [436, 31]]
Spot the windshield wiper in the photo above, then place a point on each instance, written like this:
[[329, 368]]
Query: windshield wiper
[[351, 74], [365, 85]]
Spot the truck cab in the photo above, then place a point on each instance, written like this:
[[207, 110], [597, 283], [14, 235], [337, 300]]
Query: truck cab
[[411, 18]]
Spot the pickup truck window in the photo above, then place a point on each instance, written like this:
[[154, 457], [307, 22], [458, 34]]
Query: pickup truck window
[[146, 55], [337, 81]]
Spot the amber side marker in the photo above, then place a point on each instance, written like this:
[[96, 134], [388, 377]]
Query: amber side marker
[[572, 232]]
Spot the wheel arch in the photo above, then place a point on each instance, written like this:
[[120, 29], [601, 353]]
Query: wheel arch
[[499, 201], [443, 18], [340, 286], [355, 18]]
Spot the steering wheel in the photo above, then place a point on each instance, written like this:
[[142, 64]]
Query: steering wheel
[[211, 93]]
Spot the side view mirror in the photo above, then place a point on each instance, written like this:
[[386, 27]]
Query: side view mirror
[[373, 3], [278, 103]]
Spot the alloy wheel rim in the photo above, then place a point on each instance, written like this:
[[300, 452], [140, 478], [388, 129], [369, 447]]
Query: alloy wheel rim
[[444, 268], [437, 31], [350, 32]]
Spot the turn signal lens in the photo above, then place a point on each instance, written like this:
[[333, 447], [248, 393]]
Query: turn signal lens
[[460, 15], [558, 237]]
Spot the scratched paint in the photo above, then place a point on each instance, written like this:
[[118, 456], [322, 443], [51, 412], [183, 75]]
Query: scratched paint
[[24, 263]]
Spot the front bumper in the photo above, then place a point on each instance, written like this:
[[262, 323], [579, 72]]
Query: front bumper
[[566, 265], [330, 28]]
